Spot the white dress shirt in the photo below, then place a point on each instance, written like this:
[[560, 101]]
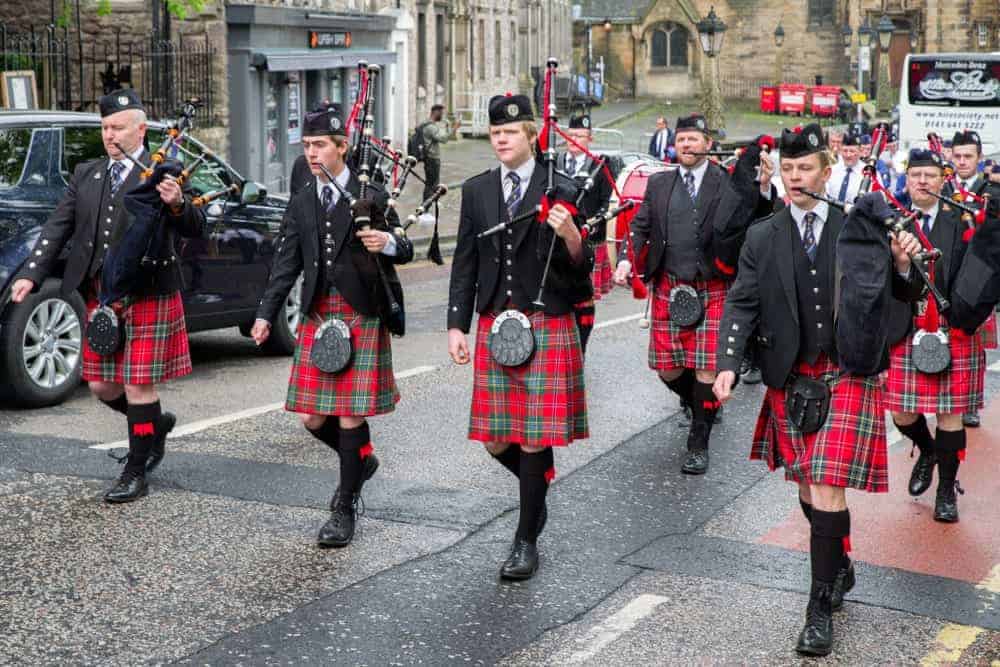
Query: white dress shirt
[[932, 211], [822, 210], [126, 163], [837, 179], [524, 171], [699, 175]]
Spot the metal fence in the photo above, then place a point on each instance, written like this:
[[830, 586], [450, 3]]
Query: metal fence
[[72, 73], [736, 87]]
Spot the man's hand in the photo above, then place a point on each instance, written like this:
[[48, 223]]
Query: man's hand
[[260, 332], [723, 387], [458, 347], [622, 273], [904, 245], [373, 239], [21, 289], [561, 222], [170, 193], [766, 172]]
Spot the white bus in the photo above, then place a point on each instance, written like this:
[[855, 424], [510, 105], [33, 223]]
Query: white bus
[[947, 92]]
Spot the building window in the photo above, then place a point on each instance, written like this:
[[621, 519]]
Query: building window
[[481, 55], [822, 12], [421, 50], [513, 48], [439, 57], [669, 46], [497, 51]]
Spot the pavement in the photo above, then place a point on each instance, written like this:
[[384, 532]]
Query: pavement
[[641, 565]]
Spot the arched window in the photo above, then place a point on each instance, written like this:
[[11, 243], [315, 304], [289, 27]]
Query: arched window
[[668, 46]]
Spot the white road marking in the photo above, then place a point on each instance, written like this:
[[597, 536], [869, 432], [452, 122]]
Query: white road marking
[[203, 424], [615, 626], [617, 320]]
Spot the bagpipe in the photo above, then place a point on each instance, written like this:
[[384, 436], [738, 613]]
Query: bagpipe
[[136, 256], [869, 173]]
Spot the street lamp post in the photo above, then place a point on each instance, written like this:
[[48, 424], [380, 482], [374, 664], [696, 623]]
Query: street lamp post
[[884, 90], [779, 40], [711, 33]]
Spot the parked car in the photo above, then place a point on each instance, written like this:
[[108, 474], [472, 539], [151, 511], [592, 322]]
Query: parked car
[[225, 271]]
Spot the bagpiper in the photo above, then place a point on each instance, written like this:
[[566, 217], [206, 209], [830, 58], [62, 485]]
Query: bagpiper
[[342, 370], [821, 420], [528, 390], [153, 342]]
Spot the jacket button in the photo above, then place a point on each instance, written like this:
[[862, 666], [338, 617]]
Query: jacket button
[[496, 260], [32, 265]]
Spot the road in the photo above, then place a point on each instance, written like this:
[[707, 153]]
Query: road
[[641, 565]]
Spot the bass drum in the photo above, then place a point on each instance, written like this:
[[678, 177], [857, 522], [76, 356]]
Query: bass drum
[[631, 183]]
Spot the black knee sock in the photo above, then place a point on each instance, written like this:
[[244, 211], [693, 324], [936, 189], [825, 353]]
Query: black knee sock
[[827, 543], [807, 509], [919, 434], [119, 405], [704, 405], [142, 423], [328, 433], [950, 449], [510, 459], [352, 442], [537, 470], [681, 385]]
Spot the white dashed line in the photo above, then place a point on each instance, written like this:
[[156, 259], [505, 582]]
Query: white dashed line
[[617, 320], [615, 626], [202, 424]]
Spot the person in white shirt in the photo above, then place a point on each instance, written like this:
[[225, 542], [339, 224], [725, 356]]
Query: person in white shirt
[[845, 179]]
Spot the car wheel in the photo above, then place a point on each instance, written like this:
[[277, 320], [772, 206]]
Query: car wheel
[[285, 330], [41, 347]]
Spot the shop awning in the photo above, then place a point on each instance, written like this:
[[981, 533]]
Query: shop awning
[[286, 60]]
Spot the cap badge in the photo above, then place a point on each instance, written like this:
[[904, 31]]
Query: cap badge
[[123, 100], [813, 140], [334, 123], [512, 110]]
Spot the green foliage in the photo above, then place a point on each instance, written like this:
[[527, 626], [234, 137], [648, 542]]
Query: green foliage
[[65, 15], [178, 8], [103, 7]]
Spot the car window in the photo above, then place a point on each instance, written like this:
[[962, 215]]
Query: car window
[[79, 145], [211, 175], [13, 152]]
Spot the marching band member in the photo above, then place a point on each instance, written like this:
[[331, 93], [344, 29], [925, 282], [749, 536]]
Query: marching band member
[[342, 371], [915, 387], [697, 208], [528, 391], [92, 216], [845, 178], [785, 291]]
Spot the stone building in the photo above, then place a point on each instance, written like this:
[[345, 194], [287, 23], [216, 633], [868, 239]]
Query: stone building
[[651, 46]]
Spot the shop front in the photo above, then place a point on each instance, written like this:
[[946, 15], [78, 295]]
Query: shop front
[[282, 63]]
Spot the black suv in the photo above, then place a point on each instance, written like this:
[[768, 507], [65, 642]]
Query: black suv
[[225, 271]]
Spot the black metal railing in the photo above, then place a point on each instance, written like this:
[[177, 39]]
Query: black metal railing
[[739, 87], [73, 72]]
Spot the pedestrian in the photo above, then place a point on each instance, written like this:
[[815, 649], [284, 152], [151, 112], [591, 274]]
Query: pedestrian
[[698, 208], [914, 388], [786, 287], [967, 153], [91, 215], [578, 165], [528, 392], [435, 132], [662, 140], [845, 177], [342, 370]]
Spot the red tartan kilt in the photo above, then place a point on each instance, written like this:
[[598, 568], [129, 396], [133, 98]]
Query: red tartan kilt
[[156, 344], [366, 387], [602, 275], [849, 451], [988, 332], [671, 346], [957, 390], [541, 403]]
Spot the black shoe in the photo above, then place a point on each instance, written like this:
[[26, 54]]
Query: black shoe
[[946, 503], [167, 422], [923, 471], [816, 637], [338, 531], [970, 419], [842, 586], [696, 462], [129, 487], [522, 562], [370, 466], [686, 415], [752, 376]]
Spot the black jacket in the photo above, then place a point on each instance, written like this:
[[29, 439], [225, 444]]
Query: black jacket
[[476, 273], [301, 175], [355, 272], [595, 201], [763, 303], [78, 218]]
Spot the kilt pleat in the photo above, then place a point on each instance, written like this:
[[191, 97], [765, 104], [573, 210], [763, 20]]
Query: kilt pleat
[[366, 387], [671, 346], [956, 390], [848, 451], [602, 274], [541, 403], [988, 332], [156, 343]]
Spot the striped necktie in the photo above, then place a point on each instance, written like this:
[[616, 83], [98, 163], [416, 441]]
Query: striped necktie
[[808, 235], [512, 189], [116, 176]]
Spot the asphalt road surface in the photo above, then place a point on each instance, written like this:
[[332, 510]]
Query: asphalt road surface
[[640, 564]]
